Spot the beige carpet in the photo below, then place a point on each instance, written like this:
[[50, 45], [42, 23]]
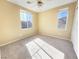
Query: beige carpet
[[19, 50]]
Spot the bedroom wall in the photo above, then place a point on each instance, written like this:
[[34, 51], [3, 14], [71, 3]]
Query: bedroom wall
[[48, 22], [0, 53], [10, 30], [74, 36]]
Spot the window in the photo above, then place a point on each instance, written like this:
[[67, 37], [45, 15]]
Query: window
[[43, 50], [62, 19], [26, 19]]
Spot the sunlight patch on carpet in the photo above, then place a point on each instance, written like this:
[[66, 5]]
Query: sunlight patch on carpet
[[40, 49]]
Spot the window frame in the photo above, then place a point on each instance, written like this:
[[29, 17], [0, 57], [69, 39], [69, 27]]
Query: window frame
[[60, 10], [25, 11]]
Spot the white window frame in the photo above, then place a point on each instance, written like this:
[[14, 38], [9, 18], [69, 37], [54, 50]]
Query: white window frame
[[66, 19], [24, 11]]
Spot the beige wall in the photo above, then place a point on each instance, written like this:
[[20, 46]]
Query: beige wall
[[48, 22], [10, 30], [10, 23], [0, 53]]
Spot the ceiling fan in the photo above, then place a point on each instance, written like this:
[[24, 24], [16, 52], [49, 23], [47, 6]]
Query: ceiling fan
[[39, 2]]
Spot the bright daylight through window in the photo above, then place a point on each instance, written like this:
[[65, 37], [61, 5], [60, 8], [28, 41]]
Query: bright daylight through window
[[62, 18], [26, 19]]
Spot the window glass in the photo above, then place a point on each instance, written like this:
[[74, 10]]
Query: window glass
[[26, 19], [62, 19]]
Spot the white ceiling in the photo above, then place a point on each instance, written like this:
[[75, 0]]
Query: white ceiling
[[48, 4]]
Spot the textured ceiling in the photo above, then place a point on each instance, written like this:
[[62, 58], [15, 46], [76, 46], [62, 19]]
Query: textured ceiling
[[47, 4]]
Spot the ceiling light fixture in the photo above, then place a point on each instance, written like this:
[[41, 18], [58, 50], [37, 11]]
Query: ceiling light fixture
[[39, 2], [28, 2]]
